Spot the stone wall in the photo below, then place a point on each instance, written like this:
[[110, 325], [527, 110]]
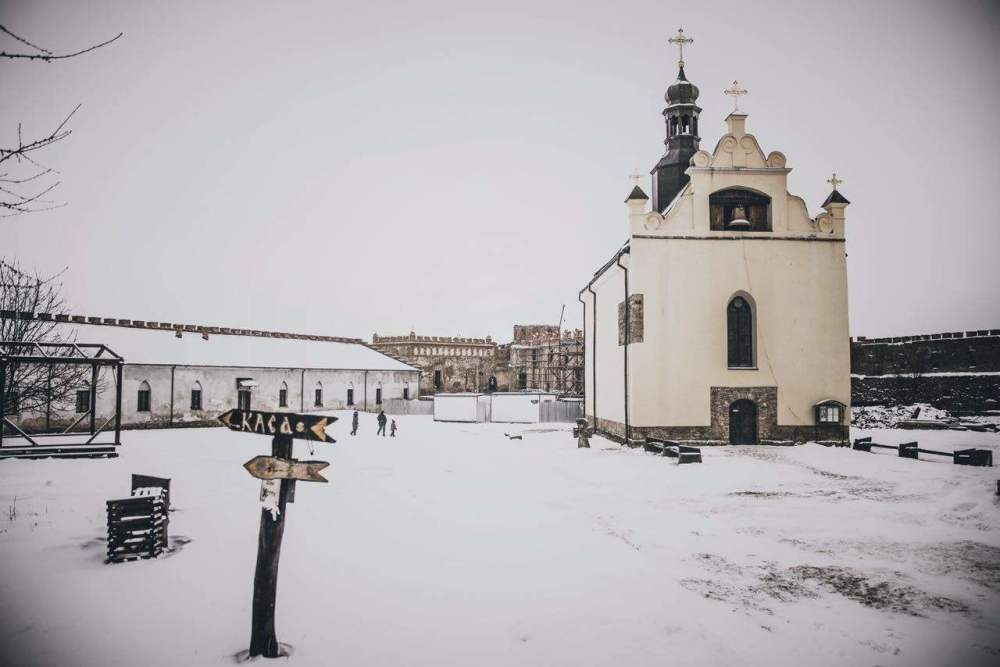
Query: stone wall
[[952, 371], [959, 352]]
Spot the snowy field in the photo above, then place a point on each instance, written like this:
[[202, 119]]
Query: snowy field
[[454, 545]]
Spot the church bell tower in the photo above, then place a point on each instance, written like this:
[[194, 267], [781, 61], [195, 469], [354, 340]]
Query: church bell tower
[[681, 116]]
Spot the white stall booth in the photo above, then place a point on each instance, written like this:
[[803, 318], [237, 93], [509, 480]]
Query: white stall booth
[[457, 408], [521, 407]]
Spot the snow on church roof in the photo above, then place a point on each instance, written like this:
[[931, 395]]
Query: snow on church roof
[[162, 346]]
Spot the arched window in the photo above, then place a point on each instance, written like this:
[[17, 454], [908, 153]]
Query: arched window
[[196, 396], [350, 393], [740, 333], [142, 397], [737, 209], [378, 394], [319, 395], [283, 395]]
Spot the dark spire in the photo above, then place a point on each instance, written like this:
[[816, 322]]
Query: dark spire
[[835, 198], [681, 116], [636, 193]]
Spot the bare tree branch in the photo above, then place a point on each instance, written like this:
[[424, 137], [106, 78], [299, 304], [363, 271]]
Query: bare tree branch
[[37, 387], [13, 200], [45, 54]]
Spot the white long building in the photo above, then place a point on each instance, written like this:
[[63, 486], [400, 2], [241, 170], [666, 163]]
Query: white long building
[[186, 375]]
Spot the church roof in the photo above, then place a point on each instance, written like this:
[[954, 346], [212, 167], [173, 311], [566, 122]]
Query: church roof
[[636, 193], [836, 198], [681, 91]]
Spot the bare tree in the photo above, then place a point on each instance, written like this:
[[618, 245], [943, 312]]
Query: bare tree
[[34, 387], [25, 182]]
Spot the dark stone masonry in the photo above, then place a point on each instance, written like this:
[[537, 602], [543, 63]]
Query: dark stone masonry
[[958, 371], [634, 320]]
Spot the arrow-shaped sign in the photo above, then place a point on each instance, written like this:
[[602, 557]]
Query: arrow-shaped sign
[[304, 427], [270, 467]]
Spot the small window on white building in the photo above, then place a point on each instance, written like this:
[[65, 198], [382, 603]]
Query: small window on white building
[[196, 396], [82, 400], [143, 397], [283, 395], [318, 395]]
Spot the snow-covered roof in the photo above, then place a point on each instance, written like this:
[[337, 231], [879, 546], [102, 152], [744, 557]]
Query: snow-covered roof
[[161, 346]]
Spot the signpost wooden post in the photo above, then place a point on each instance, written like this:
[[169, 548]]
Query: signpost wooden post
[[285, 427]]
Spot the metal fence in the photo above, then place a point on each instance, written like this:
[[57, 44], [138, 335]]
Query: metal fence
[[399, 406], [561, 411]]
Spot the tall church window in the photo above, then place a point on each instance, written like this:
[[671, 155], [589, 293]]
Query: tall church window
[[318, 397], [283, 395], [739, 328], [736, 209], [142, 398]]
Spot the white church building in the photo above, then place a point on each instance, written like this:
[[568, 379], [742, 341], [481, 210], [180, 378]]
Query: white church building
[[723, 319]]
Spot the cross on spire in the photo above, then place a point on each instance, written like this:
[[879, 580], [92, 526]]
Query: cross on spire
[[735, 91], [680, 40], [635, 177], [834, 181]]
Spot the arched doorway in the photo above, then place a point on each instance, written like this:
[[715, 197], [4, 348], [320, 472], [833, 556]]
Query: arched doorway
[[743, 422]]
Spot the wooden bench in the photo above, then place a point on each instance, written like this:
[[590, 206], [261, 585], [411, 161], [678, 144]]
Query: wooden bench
[[683, 453]]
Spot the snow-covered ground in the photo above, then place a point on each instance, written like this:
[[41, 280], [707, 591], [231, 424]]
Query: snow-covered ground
[[454, 545]]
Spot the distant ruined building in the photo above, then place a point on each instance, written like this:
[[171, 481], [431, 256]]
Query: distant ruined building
[[446, 363], [540, 357]]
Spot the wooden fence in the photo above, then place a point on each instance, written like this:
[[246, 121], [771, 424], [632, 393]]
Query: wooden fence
[[912, 450]]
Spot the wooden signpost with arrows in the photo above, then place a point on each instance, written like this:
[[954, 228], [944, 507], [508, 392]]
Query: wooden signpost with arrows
[[284, 426]]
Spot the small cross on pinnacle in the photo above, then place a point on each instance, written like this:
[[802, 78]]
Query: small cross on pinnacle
[[635, 177], [736, 91], [680, 40], [834, 181]]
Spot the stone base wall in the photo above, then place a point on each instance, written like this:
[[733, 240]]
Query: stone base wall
[[827, 434], [769, 432]]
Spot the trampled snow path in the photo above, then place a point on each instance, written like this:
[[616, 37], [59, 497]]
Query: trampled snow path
[[453, 545]]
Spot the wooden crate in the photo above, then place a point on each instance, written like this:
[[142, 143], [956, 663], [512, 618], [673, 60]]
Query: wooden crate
[[137, 527]]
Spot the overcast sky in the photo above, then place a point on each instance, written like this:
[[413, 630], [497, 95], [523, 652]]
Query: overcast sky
[[456, 167]]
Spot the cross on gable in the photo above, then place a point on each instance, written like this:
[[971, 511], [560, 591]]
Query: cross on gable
[[834, 181], [735, 91], [680, 40]]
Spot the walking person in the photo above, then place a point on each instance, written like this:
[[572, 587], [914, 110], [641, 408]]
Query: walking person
[[382, 419], [392, 429], [354, 423]]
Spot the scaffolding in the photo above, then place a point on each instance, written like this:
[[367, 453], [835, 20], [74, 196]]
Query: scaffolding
[[549, 360]]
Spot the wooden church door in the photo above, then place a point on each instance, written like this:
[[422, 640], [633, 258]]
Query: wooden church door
[[743, 422]]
